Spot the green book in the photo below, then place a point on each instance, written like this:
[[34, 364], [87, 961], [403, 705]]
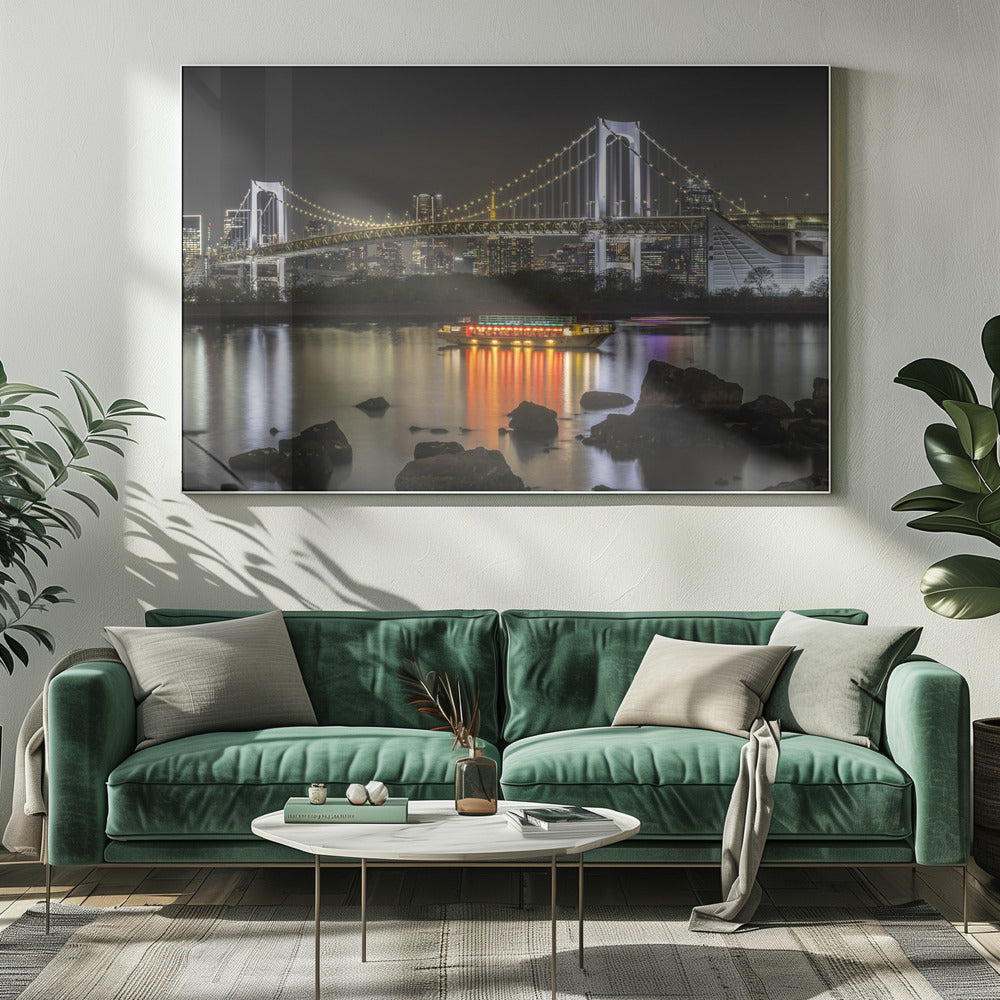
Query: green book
[[299, 810]]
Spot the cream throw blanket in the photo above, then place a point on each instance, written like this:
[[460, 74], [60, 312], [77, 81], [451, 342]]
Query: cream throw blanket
[[745, 833], [27, 822]]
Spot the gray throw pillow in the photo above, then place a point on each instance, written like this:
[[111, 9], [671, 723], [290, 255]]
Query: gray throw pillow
[[227, 676], [701, 685], [834, 683]]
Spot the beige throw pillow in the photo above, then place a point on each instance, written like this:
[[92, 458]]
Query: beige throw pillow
[[227, 676], [701, 685]]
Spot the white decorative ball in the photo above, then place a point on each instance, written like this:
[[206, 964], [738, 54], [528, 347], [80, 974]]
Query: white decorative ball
[[357, 794], [377, 792]]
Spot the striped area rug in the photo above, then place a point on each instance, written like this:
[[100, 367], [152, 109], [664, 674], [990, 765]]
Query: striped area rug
[[486, 952]]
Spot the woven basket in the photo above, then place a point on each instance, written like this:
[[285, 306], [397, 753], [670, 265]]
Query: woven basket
[[986, 794]]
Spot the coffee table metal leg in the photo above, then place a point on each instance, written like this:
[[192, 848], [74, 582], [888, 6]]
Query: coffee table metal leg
[[364, 910], [553, 927], [579, 903], [316, 949]]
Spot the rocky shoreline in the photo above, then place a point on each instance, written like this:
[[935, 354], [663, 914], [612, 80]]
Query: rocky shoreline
[[679, 411]]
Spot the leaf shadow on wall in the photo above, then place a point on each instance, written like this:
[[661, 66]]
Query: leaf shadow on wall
[[184, 555]]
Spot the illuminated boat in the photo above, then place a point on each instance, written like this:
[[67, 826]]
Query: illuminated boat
[[562, 332]]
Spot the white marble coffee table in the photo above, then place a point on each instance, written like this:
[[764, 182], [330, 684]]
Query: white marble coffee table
[[436, 833]]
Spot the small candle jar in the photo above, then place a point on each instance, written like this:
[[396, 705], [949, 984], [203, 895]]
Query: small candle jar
[[317, 794]]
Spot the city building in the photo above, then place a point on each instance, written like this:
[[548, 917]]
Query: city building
[[428, 207], [508, 255], [235, 228], [697, 197], [736, 260], [191, 241]]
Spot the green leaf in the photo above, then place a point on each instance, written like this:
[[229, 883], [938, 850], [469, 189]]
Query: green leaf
[[100, 478], [937, 497], [6, 659], [22, 389], [113, 447], [941, 380], [86, 395], [40, 635], [963, 586], [128, 404], [16, 648], [84, 499], [976, 426], [989, 508], [948, 459], [961, 524], [3, 374], [991, 344]]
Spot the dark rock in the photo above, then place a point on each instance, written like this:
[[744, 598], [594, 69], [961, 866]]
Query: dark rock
[[816, 482], [666, 385], [259, 459], [377, 404], [809, 434], [653, 428], [310, 457], [427, 449], [414, 429], [596, 400], [821, 392], [762, 407], [437, 430], [533, 421], [464, 430], [272, 431], [502, 431], [475, 470], [601, 488]]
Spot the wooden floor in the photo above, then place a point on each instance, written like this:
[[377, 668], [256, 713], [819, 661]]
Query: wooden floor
[[22, 884]]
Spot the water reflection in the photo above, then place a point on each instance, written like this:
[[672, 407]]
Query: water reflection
[[246, 387]]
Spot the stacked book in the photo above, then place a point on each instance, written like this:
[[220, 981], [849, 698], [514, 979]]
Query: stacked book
[[300, 810], [533, 821]]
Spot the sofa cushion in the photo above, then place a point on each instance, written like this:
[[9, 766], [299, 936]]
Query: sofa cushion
[[678, 782], [701, 685], [570, 670], [350, 660], [239, 674], [834, 683], [211, 786]]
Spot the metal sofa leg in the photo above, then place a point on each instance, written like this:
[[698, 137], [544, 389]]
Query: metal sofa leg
[[965, 897], [48, 895]]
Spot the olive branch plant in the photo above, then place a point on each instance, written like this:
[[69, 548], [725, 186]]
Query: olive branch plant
[[42, 451], [963, 455], [433, 695]]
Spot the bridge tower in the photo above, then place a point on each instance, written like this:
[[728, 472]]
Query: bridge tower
[[280, 216], [627, 132]]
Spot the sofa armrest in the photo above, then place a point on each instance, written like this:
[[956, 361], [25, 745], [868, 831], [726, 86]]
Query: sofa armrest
[[91, 731], [927, 733]]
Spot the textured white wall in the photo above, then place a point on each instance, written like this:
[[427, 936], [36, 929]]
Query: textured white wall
[[90, 120]]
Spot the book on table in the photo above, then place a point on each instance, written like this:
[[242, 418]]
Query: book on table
[[548, 819], [301, 810]]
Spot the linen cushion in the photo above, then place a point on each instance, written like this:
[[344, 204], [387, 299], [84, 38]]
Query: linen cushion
[[222, 676], [701, 685], [834, 683]]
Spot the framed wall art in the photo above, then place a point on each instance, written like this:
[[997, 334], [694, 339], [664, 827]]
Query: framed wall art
[[506, 279]]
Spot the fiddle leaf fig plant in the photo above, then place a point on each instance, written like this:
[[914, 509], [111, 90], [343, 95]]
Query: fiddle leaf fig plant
[[43, 453], [963, 455]]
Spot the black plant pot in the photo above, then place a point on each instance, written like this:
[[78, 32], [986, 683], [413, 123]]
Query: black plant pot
[[986, 794]]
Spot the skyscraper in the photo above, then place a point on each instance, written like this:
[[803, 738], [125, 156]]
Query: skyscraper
[[191, 243]]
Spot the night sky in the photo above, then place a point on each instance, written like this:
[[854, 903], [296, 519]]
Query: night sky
[[364, 140]]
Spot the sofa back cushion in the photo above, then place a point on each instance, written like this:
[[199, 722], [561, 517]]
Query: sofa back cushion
[[571, 670], [350, 660]]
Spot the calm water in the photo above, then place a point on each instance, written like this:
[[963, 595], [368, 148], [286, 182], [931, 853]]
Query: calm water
[[241, 381]]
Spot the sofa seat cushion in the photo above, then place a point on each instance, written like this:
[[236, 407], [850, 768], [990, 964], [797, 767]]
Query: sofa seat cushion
[[678, 782], [211, 786]]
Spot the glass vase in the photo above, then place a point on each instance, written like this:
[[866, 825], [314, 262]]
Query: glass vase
[[475, 785]]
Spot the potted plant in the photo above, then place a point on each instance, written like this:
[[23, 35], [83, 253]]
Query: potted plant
[[44, 455], [966, 500]]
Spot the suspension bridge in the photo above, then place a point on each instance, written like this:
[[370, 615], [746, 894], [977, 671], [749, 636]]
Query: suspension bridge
[[612, 184]]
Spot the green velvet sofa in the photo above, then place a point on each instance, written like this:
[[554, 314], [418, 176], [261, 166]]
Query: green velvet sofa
[[549, 684]]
